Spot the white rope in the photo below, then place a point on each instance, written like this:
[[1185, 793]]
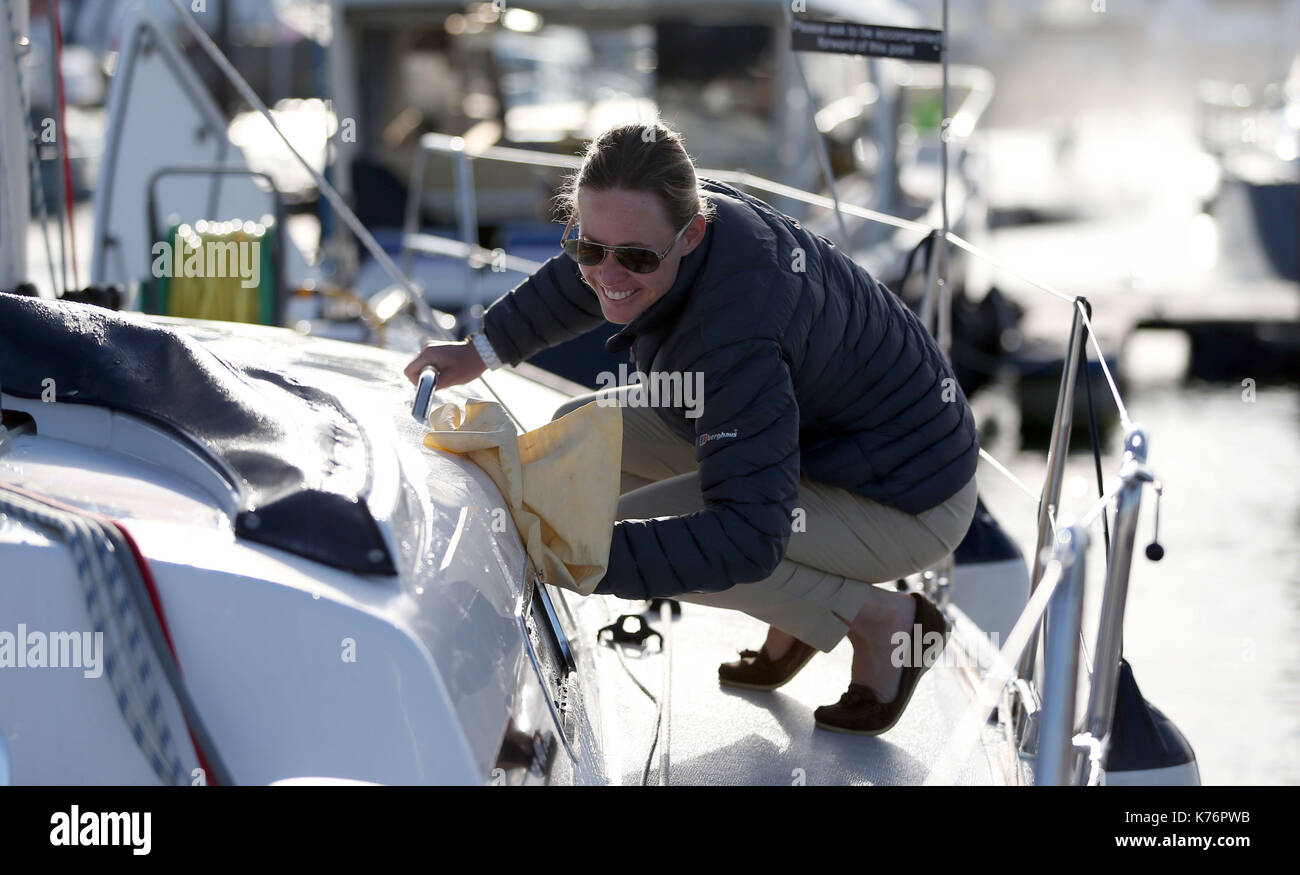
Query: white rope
[[1096, 750], [130, 666]]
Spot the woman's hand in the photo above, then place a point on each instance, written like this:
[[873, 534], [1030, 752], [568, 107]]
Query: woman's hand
[[457, 362]]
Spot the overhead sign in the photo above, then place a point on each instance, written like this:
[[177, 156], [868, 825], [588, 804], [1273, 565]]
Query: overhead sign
[[847, 38]]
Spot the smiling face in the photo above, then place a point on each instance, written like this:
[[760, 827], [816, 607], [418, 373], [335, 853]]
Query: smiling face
[[617, 217]]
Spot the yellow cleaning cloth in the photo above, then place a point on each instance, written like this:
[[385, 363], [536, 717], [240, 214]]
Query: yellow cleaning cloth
[[561, 480]]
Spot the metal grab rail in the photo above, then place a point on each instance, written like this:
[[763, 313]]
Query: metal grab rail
[[1133, 474], [1054, 762], [1058, 449], [1058, 760]]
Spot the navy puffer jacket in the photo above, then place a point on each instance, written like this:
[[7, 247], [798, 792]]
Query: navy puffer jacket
[[810, 368]]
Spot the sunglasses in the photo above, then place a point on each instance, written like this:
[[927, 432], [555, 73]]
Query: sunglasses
[[636, 259]]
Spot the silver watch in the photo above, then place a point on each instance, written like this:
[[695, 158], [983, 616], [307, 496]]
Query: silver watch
[[485, 350]]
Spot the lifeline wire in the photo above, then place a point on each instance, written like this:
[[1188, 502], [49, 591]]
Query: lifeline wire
[[1002, 469], [1101, 359]]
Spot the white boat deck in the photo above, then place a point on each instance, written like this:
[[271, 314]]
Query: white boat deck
[[720, 735]]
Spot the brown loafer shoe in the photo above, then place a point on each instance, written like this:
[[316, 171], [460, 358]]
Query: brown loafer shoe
[[755, 671], [859, 711]]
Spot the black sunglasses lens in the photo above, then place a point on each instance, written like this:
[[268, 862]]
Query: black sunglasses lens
[[638, 260], [590, 254], [586, 254]]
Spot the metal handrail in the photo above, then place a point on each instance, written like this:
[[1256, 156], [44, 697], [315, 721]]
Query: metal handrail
[[1057, 760], [1058, 449], [1054, 762], [1133, 474]]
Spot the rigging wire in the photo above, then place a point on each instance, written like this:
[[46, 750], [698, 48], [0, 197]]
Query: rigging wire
[[413, 293]]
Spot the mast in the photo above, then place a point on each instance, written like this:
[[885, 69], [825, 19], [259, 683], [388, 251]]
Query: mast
[[15, 192], [943, 318]]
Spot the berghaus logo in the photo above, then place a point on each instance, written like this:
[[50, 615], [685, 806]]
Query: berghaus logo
[[717, 435]]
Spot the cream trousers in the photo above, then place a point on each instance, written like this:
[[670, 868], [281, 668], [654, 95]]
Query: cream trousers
[[848, 542]]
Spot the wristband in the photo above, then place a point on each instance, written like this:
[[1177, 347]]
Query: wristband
[[485, 350]]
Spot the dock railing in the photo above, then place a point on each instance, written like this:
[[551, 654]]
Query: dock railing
[[1068, 747]]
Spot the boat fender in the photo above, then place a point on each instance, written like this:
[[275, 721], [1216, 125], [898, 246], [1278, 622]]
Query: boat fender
[[1143, 740]]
